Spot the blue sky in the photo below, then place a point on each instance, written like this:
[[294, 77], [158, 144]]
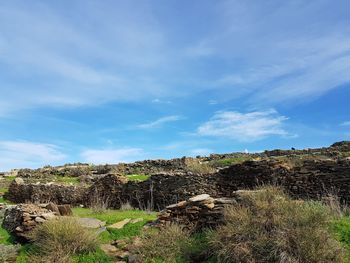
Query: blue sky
[[110, 81]]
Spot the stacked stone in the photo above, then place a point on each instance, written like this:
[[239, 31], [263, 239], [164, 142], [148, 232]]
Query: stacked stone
[[197, 213], [20, 219]]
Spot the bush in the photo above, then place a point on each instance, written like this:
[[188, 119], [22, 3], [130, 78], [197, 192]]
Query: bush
[[166, 245], [58, 240], [270, 227]]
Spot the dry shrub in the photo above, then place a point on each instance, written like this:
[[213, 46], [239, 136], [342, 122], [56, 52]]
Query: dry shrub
[[196, 166], [269, 227], [126, 206], [165, 245], [99, 203], [58, 240]]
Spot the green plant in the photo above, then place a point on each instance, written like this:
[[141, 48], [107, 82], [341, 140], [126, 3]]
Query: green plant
[[166, 245], [137, 177], [267, 226], [61, 239], [93, 257], [5, 237], [113, 216], [230, 161]]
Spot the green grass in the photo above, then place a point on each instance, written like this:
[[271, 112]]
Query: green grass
[[341, 229], [230, 161], [4, 190], [128, 231], [137, 177], [67, 180], [93, 257], [10, 178], [5, 237], [113, 216]]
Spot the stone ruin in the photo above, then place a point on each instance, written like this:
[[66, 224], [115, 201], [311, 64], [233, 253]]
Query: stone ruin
[[20, 219], [197, 213]]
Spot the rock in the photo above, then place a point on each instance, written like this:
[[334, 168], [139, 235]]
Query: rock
[[91, 222], [48, 216], [120, 224], [19, 180], [65, 210], [53, 207], [199, 198], [20, 219], [109, 249], [39, 220]]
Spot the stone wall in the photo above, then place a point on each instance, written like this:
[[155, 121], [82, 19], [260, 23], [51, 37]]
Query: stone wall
[[311, 179], [43, 193]]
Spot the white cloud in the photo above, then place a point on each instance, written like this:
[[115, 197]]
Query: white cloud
[[345, 123], [158, 123], [111, 156], [244, 126], [25, 154]]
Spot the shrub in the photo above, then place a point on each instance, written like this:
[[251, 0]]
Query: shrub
[[58, 240], [270, 227], [165, 245]]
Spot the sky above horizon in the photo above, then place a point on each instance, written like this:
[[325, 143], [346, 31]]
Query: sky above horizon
[[119, 81]]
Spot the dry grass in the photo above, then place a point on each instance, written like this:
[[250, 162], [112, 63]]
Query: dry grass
[[58, 240], [99, 203], [271, 228], [195, 166], [126, 206], [165, 245]]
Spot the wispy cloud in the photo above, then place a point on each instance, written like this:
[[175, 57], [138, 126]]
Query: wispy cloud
[[112, 156], [345, 123], [26, 154], [244, 126], [158, 123]]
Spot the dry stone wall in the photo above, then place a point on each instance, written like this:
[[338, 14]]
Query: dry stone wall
[[20, 192], [308, 179]]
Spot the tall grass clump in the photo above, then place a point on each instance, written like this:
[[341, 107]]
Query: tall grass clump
[[59, 240], [165, 245], [269, 227]]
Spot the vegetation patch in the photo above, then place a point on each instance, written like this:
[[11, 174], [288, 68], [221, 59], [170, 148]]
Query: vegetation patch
[[5, 237], [138, 177], [61, 239], [67, 180], [113, 216], [230, 161], [165, 246], [196, 166], [270, 227]]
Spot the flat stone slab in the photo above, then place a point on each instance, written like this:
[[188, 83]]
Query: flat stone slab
[[136, 220], [199, 198], [120, 224], [91, 222]]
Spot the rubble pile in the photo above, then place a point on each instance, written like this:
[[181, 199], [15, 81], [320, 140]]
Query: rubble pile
[[20, 219], [197, 213]]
